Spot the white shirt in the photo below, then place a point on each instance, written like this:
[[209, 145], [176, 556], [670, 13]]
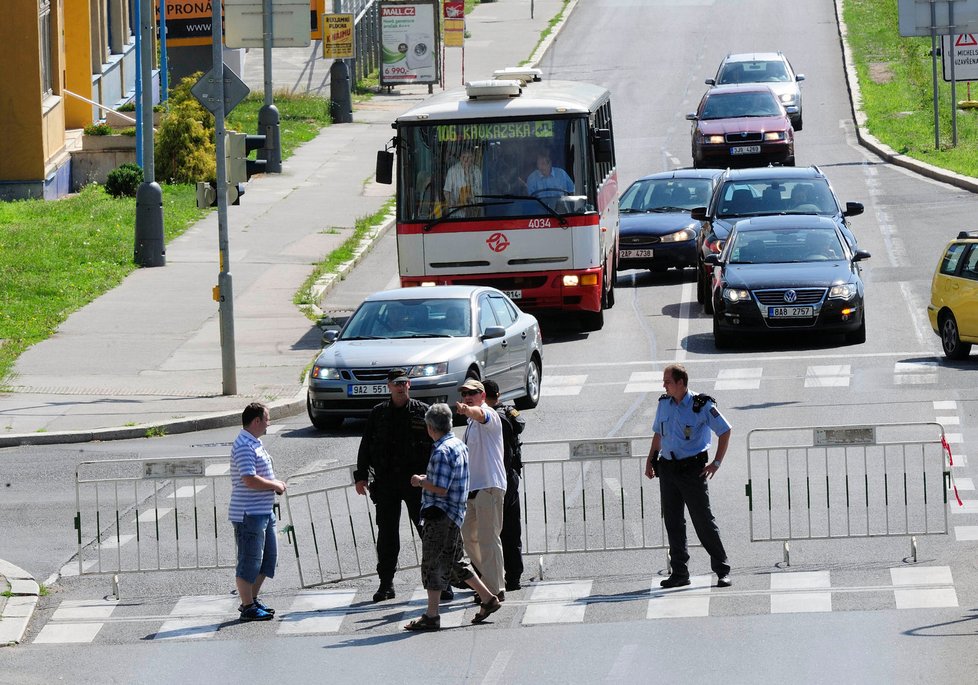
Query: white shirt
[[459, 177], [485, 443]]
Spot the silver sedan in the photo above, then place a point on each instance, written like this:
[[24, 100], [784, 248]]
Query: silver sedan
[[440, 335]]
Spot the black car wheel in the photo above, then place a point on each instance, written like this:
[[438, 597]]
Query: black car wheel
[[700, 285], [858, 336], [708, 298], [720, 338], [533, 377], [323, 423], [951, 340], [797, 124]]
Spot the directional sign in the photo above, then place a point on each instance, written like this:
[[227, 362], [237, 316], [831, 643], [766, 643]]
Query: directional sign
[[207, 90], [965, 55], [915, 17]]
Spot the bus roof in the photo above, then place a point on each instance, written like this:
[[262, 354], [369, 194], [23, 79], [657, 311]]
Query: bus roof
[[544, 98]]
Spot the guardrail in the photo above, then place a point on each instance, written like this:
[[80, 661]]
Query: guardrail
[[827, 482]]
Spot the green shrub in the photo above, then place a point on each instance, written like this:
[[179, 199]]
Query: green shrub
[[130, 131], [185, 151], [98, 130], [128, 107], [124, 180]]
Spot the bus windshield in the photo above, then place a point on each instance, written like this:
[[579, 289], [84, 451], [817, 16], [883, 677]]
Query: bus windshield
[[477, 169]]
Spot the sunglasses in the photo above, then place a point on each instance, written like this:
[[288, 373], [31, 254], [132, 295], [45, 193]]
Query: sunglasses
[[399, 382], [468, 393]]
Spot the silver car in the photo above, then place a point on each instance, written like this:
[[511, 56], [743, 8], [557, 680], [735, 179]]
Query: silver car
[[769, 68], [440, 335]]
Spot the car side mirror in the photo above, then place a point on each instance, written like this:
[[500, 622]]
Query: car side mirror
[[853, 209], [698, 213], [329, 336], [712, 259], [493, 332], [691, 116], [861, 255], [710, 82], [799, 77]]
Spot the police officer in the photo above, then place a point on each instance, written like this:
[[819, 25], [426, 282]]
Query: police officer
[[394, 446], [511, 536], [678, 456]]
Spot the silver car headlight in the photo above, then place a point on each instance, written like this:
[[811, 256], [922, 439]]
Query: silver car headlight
[[428, 370], [787, 98], [843, 291], [325, 373], [679, 236], [736, 295]]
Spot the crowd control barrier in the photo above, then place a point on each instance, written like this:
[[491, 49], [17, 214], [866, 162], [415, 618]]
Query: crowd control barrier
[[826, 482], [164, 514]]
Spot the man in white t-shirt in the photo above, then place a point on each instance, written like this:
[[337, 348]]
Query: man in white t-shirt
[[463, 184], [487, 485]]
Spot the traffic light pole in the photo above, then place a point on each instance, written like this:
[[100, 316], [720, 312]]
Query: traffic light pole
[[149, 249], [225, 292], [268, 119]]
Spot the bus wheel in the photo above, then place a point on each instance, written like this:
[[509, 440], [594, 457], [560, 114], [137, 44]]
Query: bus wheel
[[592, 321]]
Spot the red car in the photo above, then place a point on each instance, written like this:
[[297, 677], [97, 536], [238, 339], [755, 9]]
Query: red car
[[741, 125]]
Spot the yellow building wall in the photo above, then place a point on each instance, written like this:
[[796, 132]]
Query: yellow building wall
[[78, 62], [20, 94]]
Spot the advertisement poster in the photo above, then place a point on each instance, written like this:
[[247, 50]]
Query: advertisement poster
[[338, 38], [409, 42]]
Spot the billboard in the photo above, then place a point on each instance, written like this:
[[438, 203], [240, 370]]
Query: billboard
[[409, 42]]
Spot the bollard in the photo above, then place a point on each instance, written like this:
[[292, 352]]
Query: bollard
[[340, 99], [268, 126], [149, 248]]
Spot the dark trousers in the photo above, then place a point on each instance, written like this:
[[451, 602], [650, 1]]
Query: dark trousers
[[387, 498], [511, 536], [680, 485]]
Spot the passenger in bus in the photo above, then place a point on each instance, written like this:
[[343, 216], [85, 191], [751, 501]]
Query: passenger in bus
[[463, 184], [548, 182]]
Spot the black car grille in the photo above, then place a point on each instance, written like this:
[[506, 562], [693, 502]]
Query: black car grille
[[371, 375], [745, 137], [804, 296]]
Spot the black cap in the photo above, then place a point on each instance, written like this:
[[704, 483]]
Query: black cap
[[397, 375]]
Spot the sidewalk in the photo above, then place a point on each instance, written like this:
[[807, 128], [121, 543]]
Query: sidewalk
[[148, 355], [16, 610]]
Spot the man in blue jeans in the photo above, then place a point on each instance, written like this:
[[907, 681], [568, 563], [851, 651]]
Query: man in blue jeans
[[253, 490]]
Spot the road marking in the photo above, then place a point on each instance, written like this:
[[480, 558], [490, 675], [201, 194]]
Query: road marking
[[317, 611], [91, 611], [186, 491], [945, 405], [198, 617], [949, 420], [622, 668], [552, 386], [498, 668], [152, 515], [915, 373], [835, 375], [682, 328], [690, 601], [923, 598], [966, 533], [805, 592], [644, 381], [452, 614], [739, 379], [964, 484], [557, 602], [658, 363]]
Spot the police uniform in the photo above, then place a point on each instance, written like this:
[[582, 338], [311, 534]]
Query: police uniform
[[685, 434], [511, 534]]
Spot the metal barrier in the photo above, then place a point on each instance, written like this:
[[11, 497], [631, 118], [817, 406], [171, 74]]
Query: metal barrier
[[332, 528], [153, 515], [811, 483]]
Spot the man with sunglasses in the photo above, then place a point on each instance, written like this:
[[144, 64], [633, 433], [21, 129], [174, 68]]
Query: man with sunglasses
[[487, 485], [395, 445]]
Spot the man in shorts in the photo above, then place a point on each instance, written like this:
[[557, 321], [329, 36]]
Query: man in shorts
[[444, 493]]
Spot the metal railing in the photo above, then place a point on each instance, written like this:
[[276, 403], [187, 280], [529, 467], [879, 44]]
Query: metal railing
[[811, 483]]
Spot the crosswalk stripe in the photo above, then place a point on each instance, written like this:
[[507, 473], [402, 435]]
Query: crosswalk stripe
[[828, 376], [923, 598], [552, 386], [452, 614], [739, 379], [198, 617], [800, 597], [557, 602], [690, 601], [316, 611], [88, 610]]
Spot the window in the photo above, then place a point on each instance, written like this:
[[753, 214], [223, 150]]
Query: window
[[504, 313], [486, 317], [970, 268], [951, 258], [46, 45]]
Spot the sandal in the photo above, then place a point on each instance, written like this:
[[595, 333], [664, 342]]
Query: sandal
[[424, 623], [490, 607]]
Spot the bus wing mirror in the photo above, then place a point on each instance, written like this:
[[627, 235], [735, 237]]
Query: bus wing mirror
[[385, 167], [604, 151]]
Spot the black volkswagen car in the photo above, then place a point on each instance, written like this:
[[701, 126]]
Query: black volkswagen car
[[656, 230], [787, 273], [761, 191]]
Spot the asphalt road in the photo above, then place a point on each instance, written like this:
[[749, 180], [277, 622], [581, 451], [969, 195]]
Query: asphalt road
[[653, 55]]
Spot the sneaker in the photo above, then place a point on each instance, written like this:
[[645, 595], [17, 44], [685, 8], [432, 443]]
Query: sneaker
[[513, 586], [254, 613], [447, 595], [385, 591], [262, 606], [675, 581], [724, 581], [424, 623]]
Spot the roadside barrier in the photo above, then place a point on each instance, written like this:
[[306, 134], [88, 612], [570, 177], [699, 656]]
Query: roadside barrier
[[828, 482], [153, 515]]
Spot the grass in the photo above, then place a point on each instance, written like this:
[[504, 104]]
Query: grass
[[895, 81], [301, 117]]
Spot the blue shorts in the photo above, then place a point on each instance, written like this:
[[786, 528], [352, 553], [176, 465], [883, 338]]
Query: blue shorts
[[257, 546]]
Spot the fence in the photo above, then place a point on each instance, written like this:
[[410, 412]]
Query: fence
[[153, 515], [811, 483]]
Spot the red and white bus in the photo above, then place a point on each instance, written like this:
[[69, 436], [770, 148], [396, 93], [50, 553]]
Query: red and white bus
[[511, 185]]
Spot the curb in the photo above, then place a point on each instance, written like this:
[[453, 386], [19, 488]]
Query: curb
[[16, 612], [873, 144]]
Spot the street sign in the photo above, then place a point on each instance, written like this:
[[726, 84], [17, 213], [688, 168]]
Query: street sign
[[207, 90], [187, 23], [338, 36], [583, 449], [243, 26], [173, 468], [965, 55], [915, 17]]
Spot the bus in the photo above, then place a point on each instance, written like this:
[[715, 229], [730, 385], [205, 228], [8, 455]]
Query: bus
[[511, 184]]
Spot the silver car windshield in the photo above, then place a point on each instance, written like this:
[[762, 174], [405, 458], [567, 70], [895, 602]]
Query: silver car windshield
[[666, 195], [790, 196], [431, 318], [780, 246]]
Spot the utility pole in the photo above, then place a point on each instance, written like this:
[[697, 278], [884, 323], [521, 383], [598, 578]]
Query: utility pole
[[149, 247], [268, 119]]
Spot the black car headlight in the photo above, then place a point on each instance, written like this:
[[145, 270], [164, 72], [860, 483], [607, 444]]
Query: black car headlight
[[736, 295], [843, 291], [679, 236]]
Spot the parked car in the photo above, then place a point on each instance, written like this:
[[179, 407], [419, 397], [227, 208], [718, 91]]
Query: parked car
[[441, 335], [741, 125], [761, 191], [771, 68], [953, 308], [656, 230], [787, 273]]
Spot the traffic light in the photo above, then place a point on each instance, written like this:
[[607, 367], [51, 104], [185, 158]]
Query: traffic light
[[237, 148], [207, 194]]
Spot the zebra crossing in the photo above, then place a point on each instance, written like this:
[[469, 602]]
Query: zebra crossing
[[339, 610]]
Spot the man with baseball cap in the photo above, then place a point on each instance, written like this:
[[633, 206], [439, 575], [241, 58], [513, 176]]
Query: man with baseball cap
[[395, 445], [487, 485]]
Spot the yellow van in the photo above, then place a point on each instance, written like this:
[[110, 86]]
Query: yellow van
[[953, 308]]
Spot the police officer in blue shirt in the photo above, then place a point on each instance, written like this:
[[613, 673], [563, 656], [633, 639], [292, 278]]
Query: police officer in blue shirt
[[678, 456]]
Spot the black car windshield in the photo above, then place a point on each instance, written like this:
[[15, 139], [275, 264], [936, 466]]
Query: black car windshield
[[776, 196], [786, 245], [734, 105], [431, 318], [666, 195], [766, 71]]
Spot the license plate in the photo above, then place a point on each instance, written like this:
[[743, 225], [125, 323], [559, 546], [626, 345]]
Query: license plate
[[788, 312], [635, 254], [746, 150], [359, 390], [513, 294]]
